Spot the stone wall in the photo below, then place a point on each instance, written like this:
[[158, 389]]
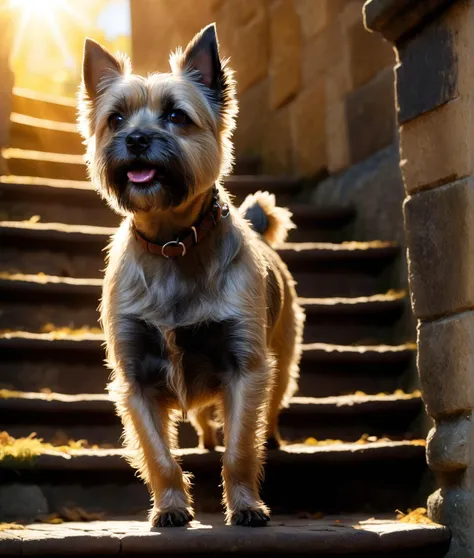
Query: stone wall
[[435, 76], [315, 88]]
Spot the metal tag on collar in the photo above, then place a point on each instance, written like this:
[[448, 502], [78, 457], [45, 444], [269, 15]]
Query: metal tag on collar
[[225, 210]]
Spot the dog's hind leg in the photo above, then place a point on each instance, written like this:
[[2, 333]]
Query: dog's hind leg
[[148, 430], [245, 400], [286, 346], [202, 420]]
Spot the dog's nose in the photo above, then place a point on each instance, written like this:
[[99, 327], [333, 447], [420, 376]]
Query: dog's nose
[[137, 142]]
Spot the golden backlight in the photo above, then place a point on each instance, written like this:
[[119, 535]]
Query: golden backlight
[[48, 39]]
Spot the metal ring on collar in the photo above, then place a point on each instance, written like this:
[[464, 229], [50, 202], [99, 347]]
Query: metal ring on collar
[[178, 243]]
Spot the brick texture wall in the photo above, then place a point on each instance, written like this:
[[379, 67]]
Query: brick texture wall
[[315, 88]]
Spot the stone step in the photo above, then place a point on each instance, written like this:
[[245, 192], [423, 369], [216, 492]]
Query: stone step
[[40, 105], [39, 134], [73, 364], [21, 199], [375, 477], [290, 535], [24, 162], [322, 269], [92, 417], [31, 301]]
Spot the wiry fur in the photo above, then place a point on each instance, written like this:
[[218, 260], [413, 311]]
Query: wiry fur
[[266, 218], [217, 329]]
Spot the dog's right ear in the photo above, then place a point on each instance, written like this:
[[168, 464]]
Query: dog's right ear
[[100, 68]]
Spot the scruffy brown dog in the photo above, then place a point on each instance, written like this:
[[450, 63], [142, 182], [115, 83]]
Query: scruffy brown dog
[[198, 310]]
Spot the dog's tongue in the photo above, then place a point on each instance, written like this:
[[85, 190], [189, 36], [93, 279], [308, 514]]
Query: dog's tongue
[[141, 176]]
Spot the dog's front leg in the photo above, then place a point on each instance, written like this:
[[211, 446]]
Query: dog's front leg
[[245, 402], [170, 487]]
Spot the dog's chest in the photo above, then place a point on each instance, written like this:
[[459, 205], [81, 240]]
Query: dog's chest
[[206, 352]]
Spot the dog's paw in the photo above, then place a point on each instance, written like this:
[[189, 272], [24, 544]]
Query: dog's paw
[[171, 518], [250, 518]]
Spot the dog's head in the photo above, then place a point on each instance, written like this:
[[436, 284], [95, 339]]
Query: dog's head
[[158, 141]]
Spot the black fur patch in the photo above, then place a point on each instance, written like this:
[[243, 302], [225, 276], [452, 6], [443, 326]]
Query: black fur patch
[[144, 354], [208, 352]]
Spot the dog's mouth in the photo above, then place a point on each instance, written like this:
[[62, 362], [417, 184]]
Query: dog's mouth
[[143, 174]]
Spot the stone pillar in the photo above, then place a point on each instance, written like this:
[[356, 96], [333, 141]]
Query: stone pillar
[[6, 77], [435, 103]]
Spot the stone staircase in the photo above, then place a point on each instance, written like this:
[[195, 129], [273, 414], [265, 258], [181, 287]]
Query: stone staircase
[[353, 431]]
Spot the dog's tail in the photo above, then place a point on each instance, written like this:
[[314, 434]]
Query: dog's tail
[[266, 218]]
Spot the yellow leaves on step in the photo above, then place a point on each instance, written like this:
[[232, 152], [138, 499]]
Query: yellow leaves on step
[[414, 516]]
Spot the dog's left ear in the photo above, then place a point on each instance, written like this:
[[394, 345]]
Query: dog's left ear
[[201, 58], [100, 68]]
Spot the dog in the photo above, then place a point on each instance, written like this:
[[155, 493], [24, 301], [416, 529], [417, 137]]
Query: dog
[[199, 313]]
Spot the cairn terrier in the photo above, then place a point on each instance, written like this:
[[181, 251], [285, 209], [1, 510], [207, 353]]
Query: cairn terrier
[[199, 312]]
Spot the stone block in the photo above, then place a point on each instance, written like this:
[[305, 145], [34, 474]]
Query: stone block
[[445, 365], [435, 148], [323, 53], [375, 187], [246, 44], [241, 12], [440, 232], [252, 121], [454, 507], [22, 502], [277, 149], [337, 135], [428, 72], [352, 13], [285, 48], [308, 115], [314, 16], [369, 53], [371, 116], [448, 445]]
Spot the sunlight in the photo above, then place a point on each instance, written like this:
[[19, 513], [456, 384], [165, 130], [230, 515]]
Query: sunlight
[[48, 38], [46, 12]]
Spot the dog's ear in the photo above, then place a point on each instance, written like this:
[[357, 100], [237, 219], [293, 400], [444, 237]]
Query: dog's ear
[[100, 67], [201, 58]]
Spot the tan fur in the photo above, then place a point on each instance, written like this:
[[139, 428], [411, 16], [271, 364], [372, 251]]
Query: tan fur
[[232, 279], [279, 218]]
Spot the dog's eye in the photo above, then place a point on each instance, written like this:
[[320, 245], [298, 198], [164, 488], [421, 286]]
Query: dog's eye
[[115, 121], [178, 117]]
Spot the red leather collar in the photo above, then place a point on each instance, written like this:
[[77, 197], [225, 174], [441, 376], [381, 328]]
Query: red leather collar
[[181, 246]]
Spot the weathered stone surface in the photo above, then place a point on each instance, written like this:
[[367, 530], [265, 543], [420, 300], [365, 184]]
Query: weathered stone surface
[[253, 118], [445, 364], [285, 37], [314, 16], [159, 26], [436, 147], [375, 187], [454, 507], [427, 75], [21, 502], [337, 135], [249, 49], [448, 445], [440, 232], [277, 154], [323, 53], [309, 130], [368, 52], [371, 116], [208, 535], [395, 18]]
